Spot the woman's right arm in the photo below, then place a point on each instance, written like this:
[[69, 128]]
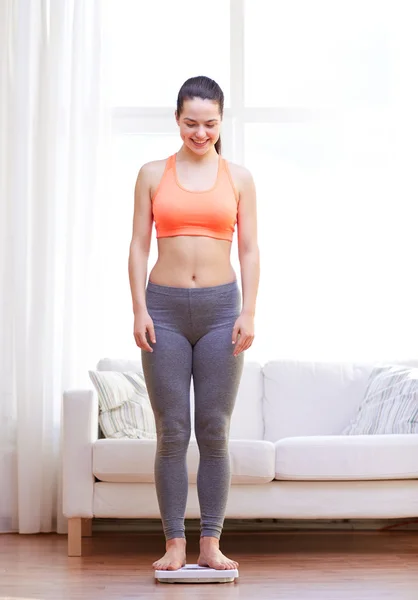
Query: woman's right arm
[[138, 258]]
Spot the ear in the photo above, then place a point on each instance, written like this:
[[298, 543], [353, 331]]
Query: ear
[[177, 117]]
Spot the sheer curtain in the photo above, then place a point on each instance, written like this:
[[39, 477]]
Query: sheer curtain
[[53, 139]]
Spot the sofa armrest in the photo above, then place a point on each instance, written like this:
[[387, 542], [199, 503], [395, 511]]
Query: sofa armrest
[[80, 431]]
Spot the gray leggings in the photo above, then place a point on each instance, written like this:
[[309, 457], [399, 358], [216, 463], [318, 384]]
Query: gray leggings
[[193, 329]]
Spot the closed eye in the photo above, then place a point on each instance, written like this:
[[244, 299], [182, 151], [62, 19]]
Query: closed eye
[[209, 125]]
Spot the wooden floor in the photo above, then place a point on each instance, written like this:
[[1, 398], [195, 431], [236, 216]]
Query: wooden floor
[[291, 565]]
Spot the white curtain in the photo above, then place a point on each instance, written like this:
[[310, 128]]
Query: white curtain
[[54, 125]]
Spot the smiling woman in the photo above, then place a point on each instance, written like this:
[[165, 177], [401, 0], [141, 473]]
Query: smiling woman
[[201, 132], [199, 119], [189, 318]]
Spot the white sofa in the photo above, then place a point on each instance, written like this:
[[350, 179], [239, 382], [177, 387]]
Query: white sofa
[[288, 457]]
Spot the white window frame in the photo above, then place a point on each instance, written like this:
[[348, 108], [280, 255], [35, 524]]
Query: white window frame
[[155, 120]]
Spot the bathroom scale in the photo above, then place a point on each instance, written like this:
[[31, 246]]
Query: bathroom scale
[[191, 573]]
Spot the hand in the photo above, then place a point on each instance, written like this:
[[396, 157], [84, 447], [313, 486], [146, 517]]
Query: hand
[[142, 324], [244, 327]]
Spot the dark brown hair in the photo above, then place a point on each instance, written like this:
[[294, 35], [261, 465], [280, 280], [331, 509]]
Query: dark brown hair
[[206, 89]]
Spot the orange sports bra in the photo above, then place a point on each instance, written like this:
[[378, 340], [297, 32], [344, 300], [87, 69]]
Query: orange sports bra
[[211, 213]]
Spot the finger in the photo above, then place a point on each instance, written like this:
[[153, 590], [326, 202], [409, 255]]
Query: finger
[[151, 332], [144, 343], [239, 346], [248, 340], [138, 342], [235, 334], [247, 345]]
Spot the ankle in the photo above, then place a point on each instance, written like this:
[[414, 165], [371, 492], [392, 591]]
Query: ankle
[[209, 541], [177, 542]]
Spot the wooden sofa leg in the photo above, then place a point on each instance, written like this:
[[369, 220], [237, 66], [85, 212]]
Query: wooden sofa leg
[[74, 536], [86, 530]]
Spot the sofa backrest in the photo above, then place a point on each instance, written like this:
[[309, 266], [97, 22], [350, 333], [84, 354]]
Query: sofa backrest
[[247, 418], [247, 421], [287, 398], [304, 398]]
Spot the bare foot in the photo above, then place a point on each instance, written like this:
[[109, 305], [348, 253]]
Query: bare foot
[[175, 556], [211, 556]]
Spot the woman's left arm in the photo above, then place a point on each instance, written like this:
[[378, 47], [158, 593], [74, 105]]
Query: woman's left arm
[[249, 257]]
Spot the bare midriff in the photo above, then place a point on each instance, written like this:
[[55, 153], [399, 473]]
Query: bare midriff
[[192, 262]]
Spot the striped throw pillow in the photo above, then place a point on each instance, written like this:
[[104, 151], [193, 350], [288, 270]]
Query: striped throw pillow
[[390, 403], [124, 407]]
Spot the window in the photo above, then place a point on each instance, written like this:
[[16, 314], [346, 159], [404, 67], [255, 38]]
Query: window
[[158, 44], [321, 107], [316, 53]]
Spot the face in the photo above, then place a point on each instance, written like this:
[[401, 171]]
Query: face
[[200, 124]]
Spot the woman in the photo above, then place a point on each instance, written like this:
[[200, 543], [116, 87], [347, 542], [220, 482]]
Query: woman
[[189, 320]]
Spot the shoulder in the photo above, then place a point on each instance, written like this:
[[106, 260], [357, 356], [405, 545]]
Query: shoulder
[[153, 168], [150, 173], [241, 176]]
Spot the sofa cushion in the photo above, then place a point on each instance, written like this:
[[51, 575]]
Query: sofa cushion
[[132, 461], [311, 398], [390, 404], [341, 457], [247, 417]]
